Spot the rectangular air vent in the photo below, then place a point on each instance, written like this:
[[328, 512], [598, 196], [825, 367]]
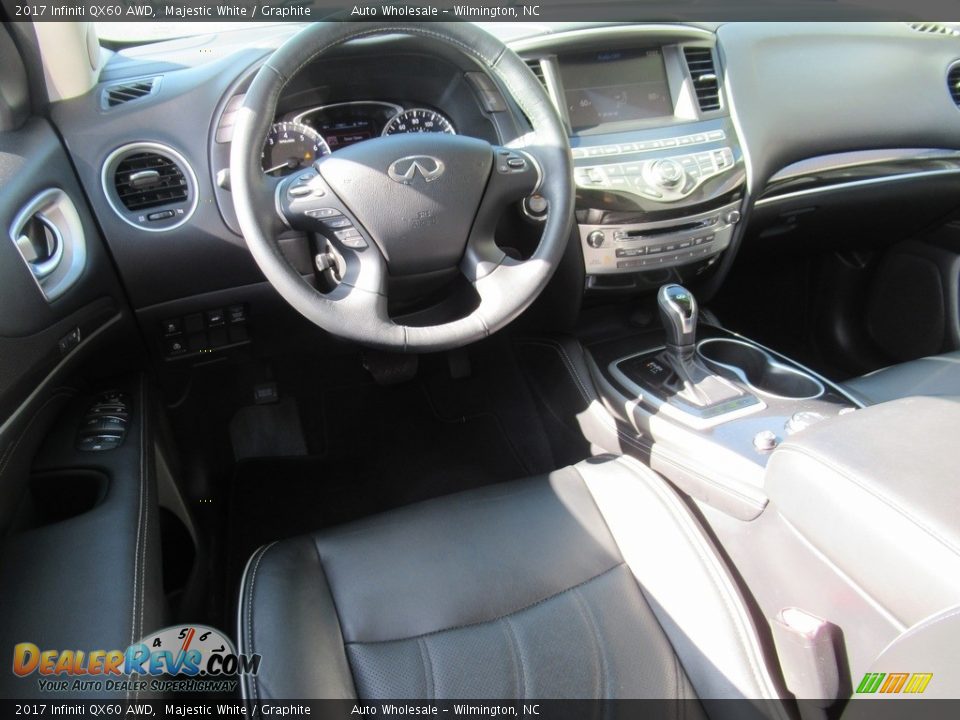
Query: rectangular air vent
[[125, 92], [146, 179], [933, 28], [537, 67], [703, 72], [953, 83]]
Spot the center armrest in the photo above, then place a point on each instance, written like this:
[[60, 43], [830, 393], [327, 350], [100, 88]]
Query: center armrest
[[877, 492]]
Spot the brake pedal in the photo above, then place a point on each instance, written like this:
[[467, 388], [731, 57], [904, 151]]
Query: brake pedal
[[390, 368]]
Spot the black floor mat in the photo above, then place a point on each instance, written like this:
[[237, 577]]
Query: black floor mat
[[380, 448]]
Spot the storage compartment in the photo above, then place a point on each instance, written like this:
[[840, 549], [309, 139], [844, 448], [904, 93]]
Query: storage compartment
[[60, 495], [759, 370]]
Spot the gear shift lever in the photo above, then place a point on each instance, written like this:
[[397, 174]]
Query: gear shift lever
[[694, 382], [678, 312]]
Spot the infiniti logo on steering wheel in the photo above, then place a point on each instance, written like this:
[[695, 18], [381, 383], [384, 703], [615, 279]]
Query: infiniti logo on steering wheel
[[405, 169]]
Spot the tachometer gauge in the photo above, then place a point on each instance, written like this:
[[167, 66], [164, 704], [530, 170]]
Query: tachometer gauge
[[290, 146], [418, 120]]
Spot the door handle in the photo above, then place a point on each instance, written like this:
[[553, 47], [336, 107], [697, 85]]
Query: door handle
[[48, 234], [41, 245]]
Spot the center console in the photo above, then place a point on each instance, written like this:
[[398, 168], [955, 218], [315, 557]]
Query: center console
[[709, 407], [659, 171]]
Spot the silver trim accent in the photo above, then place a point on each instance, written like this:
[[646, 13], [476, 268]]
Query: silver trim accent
[[109, 166], [649, 403], [946, 79], [773, 361], [299, 116], [855, 184], [56, 210], [858, 158]]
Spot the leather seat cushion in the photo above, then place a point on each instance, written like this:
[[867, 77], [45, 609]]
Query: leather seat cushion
[[511, 591]]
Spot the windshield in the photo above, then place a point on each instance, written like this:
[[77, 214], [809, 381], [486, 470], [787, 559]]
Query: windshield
[[137, 32]]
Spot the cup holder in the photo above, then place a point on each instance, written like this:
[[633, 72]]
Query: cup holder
[[758, 370]]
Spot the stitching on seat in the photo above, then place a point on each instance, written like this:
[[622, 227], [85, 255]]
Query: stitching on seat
[[253, 579], [699, 544], [587, 615], [144, 497], [505, 616], [431, 680], [882, 497], [519, 664]]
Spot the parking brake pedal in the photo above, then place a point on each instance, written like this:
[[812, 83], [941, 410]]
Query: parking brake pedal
[[390, 368]]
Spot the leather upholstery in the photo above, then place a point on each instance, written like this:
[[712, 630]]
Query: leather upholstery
[[938, 375], [546, 587], [876, 492]]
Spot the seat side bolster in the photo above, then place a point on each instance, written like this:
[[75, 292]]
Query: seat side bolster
[[685, 581], [302, 658]]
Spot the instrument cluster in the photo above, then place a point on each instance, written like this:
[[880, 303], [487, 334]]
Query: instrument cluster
[[298, 139]]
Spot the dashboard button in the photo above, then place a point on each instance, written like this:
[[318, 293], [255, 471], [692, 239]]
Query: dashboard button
[[611, 150], [628, 147], [595, 239], [669, 142], [716, 135]]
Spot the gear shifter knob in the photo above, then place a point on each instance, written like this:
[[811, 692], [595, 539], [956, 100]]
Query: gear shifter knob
[[678, 312]]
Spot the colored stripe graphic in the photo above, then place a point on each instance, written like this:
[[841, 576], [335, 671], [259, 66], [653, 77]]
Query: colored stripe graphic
[[870, 682], [918, 682], [894, 682]]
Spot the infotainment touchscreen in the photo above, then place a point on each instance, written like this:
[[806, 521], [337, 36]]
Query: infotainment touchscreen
[[614, 86]]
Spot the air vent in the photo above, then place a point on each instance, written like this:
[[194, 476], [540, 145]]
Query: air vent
[[537, 67], [934, 28], [953, 83], [703, 72], [147, 180], [120, 94], [150, 186]]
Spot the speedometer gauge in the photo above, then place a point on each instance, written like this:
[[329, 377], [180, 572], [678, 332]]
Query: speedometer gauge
[[290, 146], [418, 120]]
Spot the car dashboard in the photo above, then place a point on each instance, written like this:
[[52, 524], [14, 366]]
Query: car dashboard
[[683, 136]]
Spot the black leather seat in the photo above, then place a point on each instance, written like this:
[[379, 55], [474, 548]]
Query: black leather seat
[[594, 581], [938, 375]]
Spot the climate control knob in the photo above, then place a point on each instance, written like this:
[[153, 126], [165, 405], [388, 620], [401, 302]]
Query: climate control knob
[[667, 173]]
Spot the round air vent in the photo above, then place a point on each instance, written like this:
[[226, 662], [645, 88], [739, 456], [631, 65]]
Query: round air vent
[[953, 82], [150, 186]]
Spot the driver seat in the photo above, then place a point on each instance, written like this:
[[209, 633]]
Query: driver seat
[[594, 581]]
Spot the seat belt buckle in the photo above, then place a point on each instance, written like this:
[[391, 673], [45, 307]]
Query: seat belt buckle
[[808, 647]]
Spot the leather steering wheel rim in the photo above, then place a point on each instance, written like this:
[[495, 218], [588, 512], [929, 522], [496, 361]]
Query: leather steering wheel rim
[[357, 310]]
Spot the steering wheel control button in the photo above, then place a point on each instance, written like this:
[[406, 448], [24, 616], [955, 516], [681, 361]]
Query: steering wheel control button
[[326, 212], [351, 239], [337, 223], [300, 190], [510, 162], [765, 441]]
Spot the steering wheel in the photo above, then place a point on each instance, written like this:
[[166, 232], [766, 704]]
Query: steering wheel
[[404, 205]]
